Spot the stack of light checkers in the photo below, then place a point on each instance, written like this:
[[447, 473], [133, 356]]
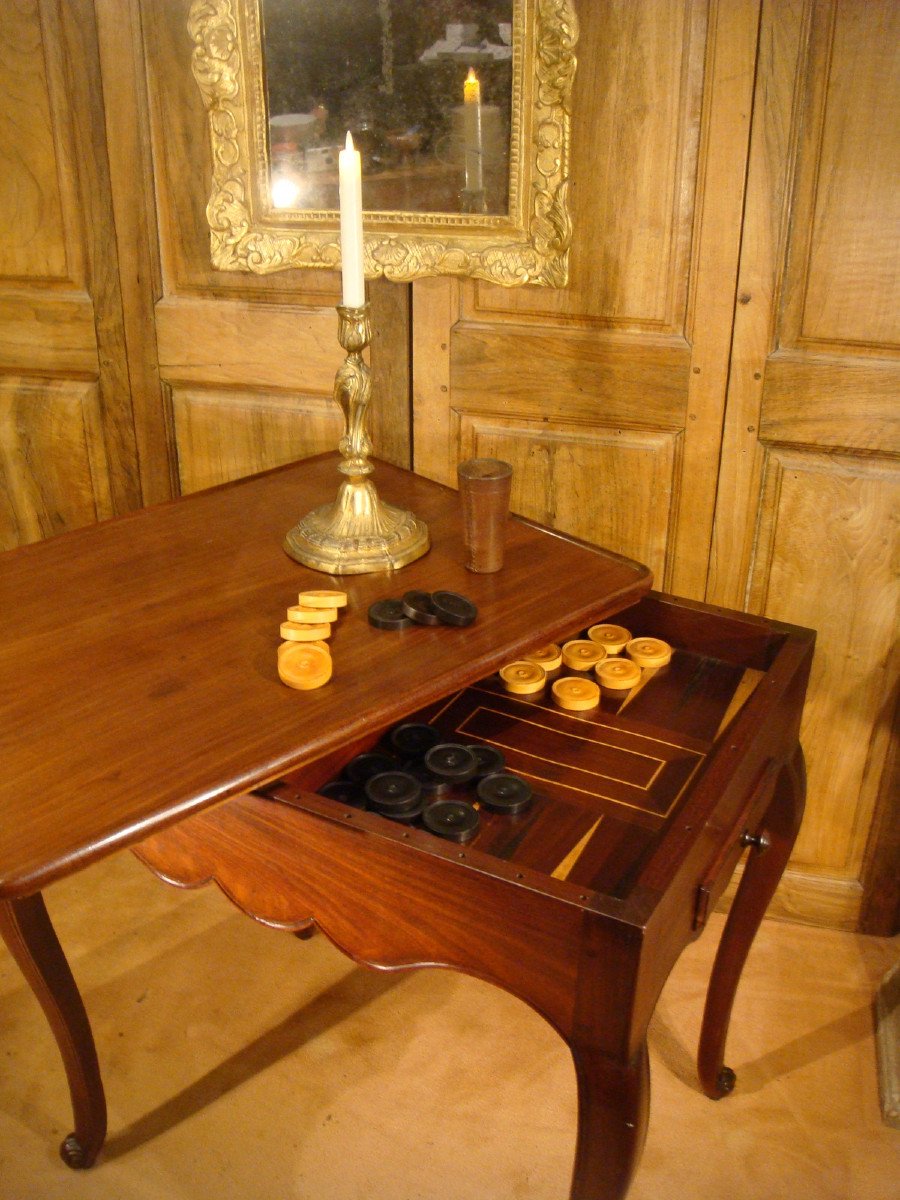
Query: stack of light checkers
[[304, 660], [412, 779], [423, 608], [599, 653]]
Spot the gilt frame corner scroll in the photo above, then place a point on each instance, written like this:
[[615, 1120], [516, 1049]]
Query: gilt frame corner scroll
[[527, 245]]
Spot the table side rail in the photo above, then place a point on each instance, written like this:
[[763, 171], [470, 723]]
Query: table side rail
[[742, 639], [728, 786], [379, 899]]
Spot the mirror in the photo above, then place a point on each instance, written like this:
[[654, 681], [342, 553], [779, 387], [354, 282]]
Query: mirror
[[426, 95], [460, 109]]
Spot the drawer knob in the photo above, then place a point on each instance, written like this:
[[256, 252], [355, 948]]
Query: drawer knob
[[759, 841]]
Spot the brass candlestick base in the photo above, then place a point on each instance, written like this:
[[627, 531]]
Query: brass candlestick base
[[357, 534]]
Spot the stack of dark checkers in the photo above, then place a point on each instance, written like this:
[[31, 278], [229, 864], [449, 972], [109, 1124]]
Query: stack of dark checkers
[[418, 778], [423, 608]]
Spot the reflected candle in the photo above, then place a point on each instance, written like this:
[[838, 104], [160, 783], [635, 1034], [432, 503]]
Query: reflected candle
[[350, 189], [472, 110]]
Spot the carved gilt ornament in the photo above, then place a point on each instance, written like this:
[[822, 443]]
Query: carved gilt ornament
[[527, 243]]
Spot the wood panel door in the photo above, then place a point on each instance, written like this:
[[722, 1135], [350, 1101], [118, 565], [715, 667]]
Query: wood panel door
[[69, 450], [607, 396], [809, 493], [247, 362], [708, 262]]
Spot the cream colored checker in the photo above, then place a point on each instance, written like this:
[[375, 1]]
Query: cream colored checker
[[548, 657], [284, 645], [618, 674], [576, 694], [613, 637], [582, 655], [311, 616], [304, 666], [649, 651], [292, 631], [523, 678], [324, 598]]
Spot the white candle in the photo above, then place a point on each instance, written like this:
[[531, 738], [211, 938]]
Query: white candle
[[350, 187], [473, 150]]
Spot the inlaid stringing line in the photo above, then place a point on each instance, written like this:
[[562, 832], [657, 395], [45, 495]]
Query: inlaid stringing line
[[644, 737], [452, 700], [662, 762], [662, 816], [603, 796]]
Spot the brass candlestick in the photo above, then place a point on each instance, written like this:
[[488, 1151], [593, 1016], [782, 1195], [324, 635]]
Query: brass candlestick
[[356, 534]]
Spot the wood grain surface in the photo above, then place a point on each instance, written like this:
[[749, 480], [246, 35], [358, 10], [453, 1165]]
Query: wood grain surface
[[806, 524], [611, 785], [138, 671]]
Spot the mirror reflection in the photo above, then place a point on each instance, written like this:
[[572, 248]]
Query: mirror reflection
[[425, 87]]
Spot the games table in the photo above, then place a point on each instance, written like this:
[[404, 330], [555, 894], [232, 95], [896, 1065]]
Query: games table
[[142, 708]]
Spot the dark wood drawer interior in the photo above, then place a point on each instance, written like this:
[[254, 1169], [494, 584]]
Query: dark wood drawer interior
[[608, 783]]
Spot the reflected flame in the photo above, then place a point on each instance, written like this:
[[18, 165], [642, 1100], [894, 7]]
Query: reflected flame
[[284, 192]]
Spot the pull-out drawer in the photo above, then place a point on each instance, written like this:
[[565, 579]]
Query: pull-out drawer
[[670, 776]]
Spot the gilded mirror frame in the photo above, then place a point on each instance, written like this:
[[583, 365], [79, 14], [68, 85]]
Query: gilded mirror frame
[[528, 245]]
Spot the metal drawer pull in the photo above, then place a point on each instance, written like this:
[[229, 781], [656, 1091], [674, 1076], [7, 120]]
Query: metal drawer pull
[[759, 841]]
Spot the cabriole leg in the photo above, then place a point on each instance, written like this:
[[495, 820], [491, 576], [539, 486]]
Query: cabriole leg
[[613, 1108], [764, 868], [32, 941]]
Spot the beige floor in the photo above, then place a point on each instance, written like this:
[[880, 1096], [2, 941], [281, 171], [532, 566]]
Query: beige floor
[[242, 1064]]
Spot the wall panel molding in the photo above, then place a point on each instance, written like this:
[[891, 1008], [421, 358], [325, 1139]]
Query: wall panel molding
[[35, 187], [48, 333], [842, 287], [637, 119], [808, 899], [210, 342], [587, 377], [53, 469], [227, 434], [843, 403], [606, 485], [825, 557]]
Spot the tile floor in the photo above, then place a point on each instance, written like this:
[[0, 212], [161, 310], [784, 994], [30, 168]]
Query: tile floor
[[243, 1064]]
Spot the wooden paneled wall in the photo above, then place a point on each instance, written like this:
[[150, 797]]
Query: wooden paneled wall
[[603, 397], [715, 393], [68, 454], [248, 362], [809, 491]]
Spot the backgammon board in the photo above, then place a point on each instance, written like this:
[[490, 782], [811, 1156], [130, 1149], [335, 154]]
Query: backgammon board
[[607, 783]]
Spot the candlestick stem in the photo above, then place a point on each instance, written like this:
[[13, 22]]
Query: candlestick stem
[[358, 533]]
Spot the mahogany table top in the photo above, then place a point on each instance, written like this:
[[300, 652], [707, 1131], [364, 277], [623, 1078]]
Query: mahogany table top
[[138, 676]]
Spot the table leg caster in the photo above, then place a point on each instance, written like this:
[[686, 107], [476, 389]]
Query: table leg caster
[[725, 1081], [74, 1155], [25, 927]]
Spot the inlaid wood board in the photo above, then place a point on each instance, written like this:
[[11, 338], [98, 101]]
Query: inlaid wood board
[[606, 781]]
